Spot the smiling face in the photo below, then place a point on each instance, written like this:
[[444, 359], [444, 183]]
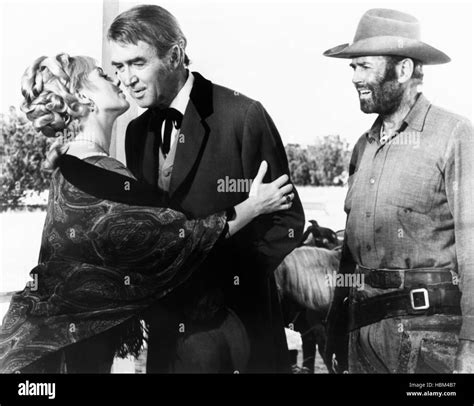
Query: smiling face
[[151, 81], [377, 84], [105, 92]]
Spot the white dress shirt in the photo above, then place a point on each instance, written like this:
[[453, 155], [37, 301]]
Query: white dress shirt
[[180, 102]]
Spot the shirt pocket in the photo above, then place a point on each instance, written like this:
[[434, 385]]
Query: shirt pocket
[[413, 185]]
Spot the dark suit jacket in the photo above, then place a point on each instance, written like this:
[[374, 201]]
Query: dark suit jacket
[[226, 134]]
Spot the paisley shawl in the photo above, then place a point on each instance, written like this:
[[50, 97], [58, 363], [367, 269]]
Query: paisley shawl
[[109, 249]]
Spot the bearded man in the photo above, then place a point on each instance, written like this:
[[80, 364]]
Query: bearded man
[[410, 223]]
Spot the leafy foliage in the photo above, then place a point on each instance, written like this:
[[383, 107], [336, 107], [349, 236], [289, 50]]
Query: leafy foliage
[[22, 151], [323, 164]]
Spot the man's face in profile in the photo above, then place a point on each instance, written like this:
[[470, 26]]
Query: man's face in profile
[[149, 79], [376, 81]]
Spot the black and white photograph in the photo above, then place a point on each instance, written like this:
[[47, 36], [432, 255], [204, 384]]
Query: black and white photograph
[[204, 187]]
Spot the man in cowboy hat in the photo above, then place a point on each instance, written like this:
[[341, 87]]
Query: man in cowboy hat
[[410, 223]]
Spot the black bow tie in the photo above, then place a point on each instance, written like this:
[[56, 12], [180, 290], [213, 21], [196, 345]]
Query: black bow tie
[[171, 117]]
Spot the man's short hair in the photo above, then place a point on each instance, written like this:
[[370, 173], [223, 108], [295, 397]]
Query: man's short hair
[[417, 74], [151, 24]]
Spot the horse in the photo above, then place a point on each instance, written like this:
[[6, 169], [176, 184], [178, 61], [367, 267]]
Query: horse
[[304, 284]]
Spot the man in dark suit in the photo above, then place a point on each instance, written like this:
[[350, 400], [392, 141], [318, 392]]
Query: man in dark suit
[[202, 143]]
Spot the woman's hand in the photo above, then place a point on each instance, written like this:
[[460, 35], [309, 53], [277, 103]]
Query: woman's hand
[[263, 198], [270, 197]]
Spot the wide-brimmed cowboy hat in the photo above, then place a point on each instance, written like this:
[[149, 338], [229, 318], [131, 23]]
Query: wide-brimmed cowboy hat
[[389, 32]]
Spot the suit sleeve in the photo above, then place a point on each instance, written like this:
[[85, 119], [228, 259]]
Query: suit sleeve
[[128, 147], [274, 235], [135, 131]]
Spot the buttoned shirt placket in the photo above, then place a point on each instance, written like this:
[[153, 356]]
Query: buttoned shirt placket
[[374, 219]]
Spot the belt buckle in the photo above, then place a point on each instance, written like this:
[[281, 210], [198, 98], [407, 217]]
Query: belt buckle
[[426, 299]]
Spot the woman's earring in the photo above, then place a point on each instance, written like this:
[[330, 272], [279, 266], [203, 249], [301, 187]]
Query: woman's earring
[[87, 101]]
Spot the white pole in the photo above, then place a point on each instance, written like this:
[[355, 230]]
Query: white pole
[[111, 8]]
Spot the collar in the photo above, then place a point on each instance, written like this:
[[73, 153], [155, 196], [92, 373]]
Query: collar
[[415, 118], [181, 100], [107, 184], [374, 133], [202, 96]]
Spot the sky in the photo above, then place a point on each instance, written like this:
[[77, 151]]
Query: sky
[[270, 51]]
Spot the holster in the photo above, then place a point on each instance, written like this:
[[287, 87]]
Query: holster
[[337, 321]]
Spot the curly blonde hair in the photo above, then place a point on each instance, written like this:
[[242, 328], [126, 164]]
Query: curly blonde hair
[[50, 87]]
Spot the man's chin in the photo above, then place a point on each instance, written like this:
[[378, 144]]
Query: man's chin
[[142, 102], [125, 108], [367, 108]]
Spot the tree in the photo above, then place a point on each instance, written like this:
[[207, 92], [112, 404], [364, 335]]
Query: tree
[[298, 164], [21, 156], [332, 155], [322, 164]]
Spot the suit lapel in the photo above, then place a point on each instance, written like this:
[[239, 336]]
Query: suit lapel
[[193, 133], [135, 145], [148, 158]]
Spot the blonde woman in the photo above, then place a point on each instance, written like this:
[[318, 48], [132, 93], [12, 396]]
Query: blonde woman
[[110, 247]]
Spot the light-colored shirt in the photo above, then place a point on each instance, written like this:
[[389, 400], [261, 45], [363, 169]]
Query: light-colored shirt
[[180, 102], [410, 200]]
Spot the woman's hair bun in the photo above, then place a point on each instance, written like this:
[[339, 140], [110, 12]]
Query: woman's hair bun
[[50, 89]]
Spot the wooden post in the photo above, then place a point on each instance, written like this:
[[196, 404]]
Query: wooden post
[[111, 8]]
